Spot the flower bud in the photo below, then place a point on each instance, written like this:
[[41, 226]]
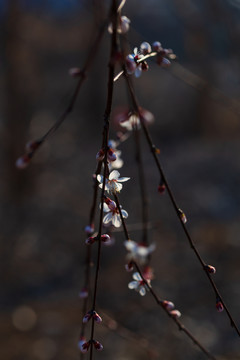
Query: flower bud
[[87, 317], [175, 313], [156, 46], [23, 162], [111, 155], [211, 269], [165, 62], [161, 188], [124, 25], [98, 346], [168, 305], [89, 229], [100, 155], [83, 294], [129, 266], [130, 64], [90, 240], [74, 72], [83, 345], [182, 216], [97, 317], [31, 146], [105, 238], [219, 306], [145, 48], [110, 203]]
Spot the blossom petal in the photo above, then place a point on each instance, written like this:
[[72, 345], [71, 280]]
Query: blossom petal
[[124, 214], [100, 178], [114, 175], [116, 220], [142, 291], [123, 179], [138, 71], [133, 285], [105, 207], [130, 245], [117, 187], [107, 218], [137, 276]]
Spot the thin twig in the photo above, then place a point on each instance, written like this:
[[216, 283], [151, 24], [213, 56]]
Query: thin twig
[[161, 302], [154, 152]]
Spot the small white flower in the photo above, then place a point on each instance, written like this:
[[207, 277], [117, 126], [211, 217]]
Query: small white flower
[[132, 119], [138, 284], [113, 183], [113, 215], [138, 252]]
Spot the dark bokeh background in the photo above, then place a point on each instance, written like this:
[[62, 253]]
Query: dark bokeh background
[[44, 209]]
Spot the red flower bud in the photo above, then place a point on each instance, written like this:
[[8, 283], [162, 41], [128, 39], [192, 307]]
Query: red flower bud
[[87, 317], [211, 269], [98, 346], [111, 155], [90, 240], [23, 161], [100, 155], [168, 305], [97, 317], [219, 306]]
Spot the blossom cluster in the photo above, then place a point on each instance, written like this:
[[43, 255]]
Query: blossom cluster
[[136, 62]]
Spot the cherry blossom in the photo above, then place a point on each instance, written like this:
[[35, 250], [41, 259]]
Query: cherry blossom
[[138, 284], [113, 183], [138, 252], [113, 215], [130, 120]]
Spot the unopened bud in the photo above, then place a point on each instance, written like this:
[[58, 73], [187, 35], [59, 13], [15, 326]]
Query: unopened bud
[[97, 317], [111, 155], [156, 46], [175, 313], [219, 305], [182, 216], [74, 72], [83, 345], [105, 238], [129, 266], [98, 346], [90, 240], [130, 64], [83, 294], [33, 145], [87, 317], [161, 188], [110, 203], [100, 155], [124, 24], [168, 305], [211, 269], [145, 48], [89, 229], [23, 162], [165, 62]]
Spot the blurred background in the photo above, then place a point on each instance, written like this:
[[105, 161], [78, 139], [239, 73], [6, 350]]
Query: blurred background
[[45, 208]]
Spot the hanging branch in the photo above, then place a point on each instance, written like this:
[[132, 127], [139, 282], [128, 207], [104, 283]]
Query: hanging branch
[[167, 306], [208, 269], [33, 146]]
